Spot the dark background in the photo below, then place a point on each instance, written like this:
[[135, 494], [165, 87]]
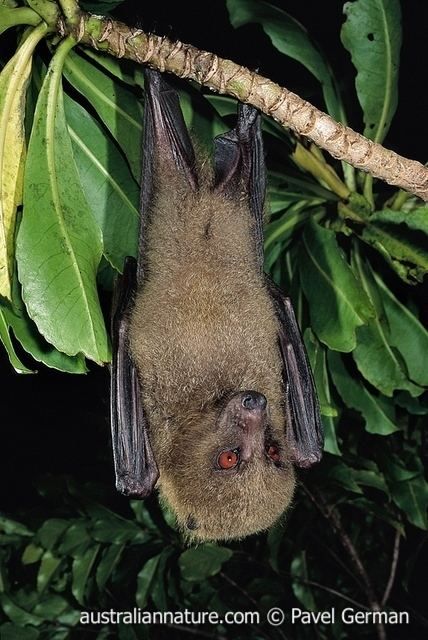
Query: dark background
[[57, 424]]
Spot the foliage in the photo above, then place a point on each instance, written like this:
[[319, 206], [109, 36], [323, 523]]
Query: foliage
[[350, 253]]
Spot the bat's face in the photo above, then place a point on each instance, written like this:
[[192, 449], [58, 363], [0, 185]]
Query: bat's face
[[228, 476]]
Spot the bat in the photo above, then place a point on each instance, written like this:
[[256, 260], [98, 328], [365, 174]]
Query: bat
[[212, 397]]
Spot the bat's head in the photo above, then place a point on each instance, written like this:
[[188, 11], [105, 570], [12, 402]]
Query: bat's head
[[231, 479]]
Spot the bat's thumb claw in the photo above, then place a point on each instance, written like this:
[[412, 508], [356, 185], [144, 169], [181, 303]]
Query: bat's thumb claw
[[138, 488]]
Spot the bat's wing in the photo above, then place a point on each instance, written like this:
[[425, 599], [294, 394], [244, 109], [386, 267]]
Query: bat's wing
[[305, 431], [239, 163], [135, 467], [166, 137]]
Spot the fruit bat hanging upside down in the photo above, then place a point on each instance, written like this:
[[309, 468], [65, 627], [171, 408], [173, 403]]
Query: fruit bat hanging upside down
[[213, 400]]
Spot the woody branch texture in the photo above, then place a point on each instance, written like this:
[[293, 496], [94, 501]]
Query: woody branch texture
[[227, 77]]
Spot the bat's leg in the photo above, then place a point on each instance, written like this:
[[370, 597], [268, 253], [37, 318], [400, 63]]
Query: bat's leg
[[135, 467], [166, 137], [239, 162]]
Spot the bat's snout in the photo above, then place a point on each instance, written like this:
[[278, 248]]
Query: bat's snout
[[252, 400]]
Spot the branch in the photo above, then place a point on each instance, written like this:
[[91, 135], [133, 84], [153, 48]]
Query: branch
[[333, 517], [227, 77], [394, 563]]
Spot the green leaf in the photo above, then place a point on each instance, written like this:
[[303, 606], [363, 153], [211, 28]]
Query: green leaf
[[224, 105], [337, 301], [108, 563], [372, 35], [369, 478], [397, 471], [59, 244], [275, 536], [5, 339], [32, 554], [75, 536], [133, 632], [158, 592], [406, 334], [356, 396], [203, 562], [15, 317], [282, 229], [110, 190], [51, 531], [13, 87], [122, 69], [142, 515], [47, 570], [402, 239], [56, 609], [145, 580], [317, 357], [412, 405], [272, 255], [169, 517], [416, 220], [375, 358], [299, 573], [309, 190], [10, 631], [412, 497], [117, 107], [378, 511], [117, 530], [17, 614], [9, 526], [344, 475], [81, 571], [290, 38]]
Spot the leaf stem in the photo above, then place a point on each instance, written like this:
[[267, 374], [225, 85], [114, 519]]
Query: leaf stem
[[368, 190], [71, 11], [394, 563], [239, 588], [47, 10], [15, 17], [312, 161], [334, 592], [399, 200]]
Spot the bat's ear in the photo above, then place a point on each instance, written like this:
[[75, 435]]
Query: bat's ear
[[239, 163], [165, 132]]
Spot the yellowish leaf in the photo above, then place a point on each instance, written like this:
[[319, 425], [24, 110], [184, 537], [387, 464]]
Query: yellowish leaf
[[13, 86]]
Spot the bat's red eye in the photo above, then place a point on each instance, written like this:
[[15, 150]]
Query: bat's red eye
[[273, 452], [228, 459]]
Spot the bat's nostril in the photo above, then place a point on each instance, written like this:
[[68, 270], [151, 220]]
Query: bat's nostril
[[254, 400]]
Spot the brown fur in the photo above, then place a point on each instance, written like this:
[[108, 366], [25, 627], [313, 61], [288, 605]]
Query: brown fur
[[203, 326]]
